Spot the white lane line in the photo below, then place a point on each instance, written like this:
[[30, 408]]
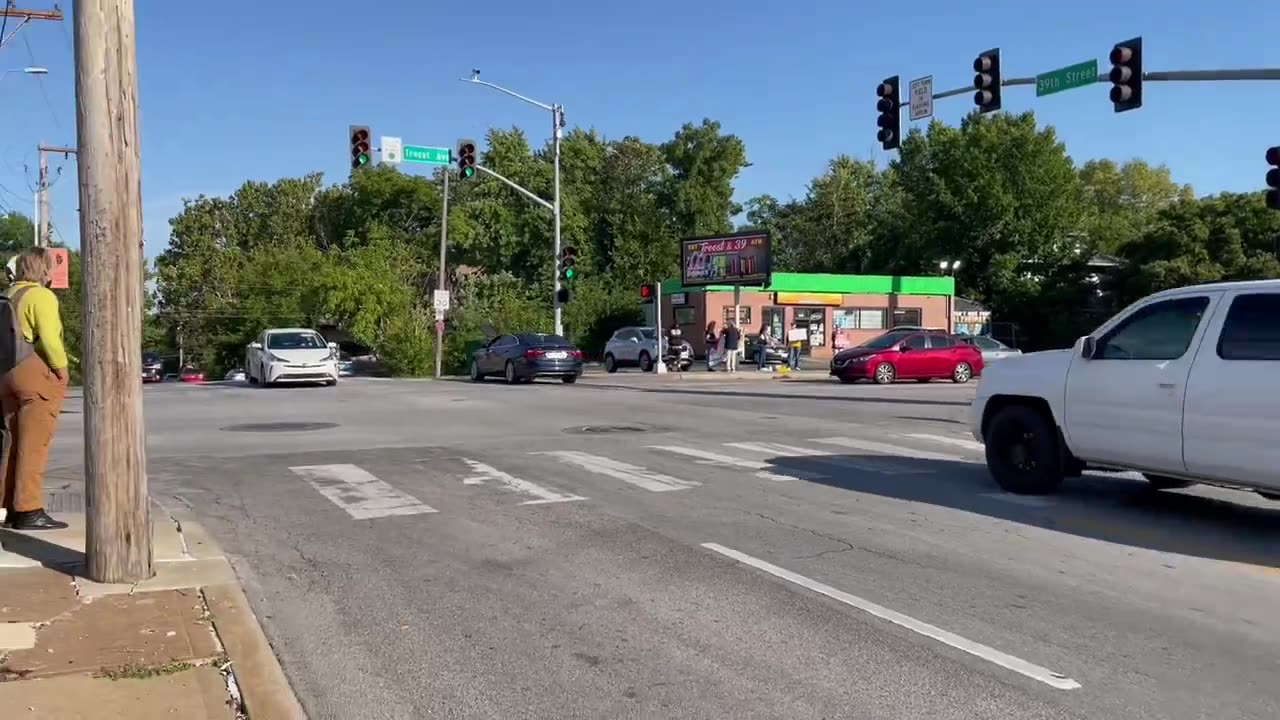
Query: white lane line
[[887, 449], [633, 474], [540, 494], [359, 492], [990, 654], [947, 440], [763, 469], [826, 456], [1027, 500]]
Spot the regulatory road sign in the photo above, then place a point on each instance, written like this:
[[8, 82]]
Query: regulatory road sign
[[1067, 78], [921, 92], [428, 155], [440, 300], [391, 150]]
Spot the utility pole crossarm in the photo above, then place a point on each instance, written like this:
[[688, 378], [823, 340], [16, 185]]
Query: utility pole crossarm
[[516, 187], [56, 149], [55, 14]]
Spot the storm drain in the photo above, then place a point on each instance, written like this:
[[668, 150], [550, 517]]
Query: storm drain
[[604, 429], [279, 427]]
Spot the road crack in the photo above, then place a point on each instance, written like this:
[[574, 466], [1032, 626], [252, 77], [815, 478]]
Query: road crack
[[846, 546]]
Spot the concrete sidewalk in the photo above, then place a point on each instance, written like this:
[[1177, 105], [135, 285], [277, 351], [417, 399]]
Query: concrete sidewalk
[[182, 644]]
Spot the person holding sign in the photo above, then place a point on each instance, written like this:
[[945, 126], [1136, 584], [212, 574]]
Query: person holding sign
[[795, 340]]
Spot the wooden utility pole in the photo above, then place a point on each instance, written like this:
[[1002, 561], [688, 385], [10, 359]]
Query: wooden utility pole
[[43, 237], [118, 536]]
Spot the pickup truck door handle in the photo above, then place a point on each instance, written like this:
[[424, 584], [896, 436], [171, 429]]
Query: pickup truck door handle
[[1168, 386]]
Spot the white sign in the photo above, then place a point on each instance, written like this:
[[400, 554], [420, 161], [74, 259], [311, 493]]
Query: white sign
[[439, 315], [440, 300], [391, 150], [922, 98]]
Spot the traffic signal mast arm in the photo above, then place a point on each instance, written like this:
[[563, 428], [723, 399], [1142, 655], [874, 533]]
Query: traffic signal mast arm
[[1169, 76], [516, 187]]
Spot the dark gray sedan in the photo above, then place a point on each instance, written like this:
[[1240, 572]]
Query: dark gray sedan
[[521, 357]]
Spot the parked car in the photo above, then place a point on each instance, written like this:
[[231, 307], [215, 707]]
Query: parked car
[[291, 355], [234, 375], [190, 374], [908, 354], [521, 357], [631, 347], [991, 348], [152, 368], [1174, 387], [346, 367], [775, 354]]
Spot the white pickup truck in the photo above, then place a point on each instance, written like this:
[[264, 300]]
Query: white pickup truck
[[1182, 386], [291, 355]]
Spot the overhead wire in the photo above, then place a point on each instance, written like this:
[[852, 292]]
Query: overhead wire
[[44, 92]]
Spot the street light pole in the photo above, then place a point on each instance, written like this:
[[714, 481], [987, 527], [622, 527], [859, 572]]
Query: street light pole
[[557, 125]]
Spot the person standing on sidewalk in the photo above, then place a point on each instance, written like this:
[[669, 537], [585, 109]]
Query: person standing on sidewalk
[[32, 387], [763, 341], [713, 346], [793, 348], [732, 336]]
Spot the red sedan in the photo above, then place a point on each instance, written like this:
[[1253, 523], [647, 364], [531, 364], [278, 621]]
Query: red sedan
[[908, 354], [191, 375]]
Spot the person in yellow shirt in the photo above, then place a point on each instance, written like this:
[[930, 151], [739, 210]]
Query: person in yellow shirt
[[32, 389]]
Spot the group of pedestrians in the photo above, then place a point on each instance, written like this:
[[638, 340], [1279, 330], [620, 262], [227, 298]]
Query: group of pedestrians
[[725, 345]]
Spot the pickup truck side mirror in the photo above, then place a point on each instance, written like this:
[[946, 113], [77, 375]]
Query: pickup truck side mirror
[[255, 345], [1088, 346]]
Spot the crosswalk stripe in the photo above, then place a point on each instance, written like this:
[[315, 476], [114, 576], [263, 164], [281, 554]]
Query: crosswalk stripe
[[360, 493], [863, 464], [541, 495], [764, 469], [958, 442], [887, 449], [633, 474]]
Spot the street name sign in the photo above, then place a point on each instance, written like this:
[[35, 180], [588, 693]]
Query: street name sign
[[428, 155], [391, 150], [921, 94], [1067, 78]]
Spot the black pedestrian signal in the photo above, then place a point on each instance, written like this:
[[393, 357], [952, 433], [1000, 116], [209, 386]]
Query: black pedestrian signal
[[1273, 178], [1126, 75], [889, 104], [361, 149], [466, 157], [987, 80]]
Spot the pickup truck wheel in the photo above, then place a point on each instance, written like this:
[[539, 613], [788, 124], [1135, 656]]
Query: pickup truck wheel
[[885, 374], [1161, 482], [1022, 452], [962, 373]]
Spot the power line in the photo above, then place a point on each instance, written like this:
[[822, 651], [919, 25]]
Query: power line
[[44, 92]]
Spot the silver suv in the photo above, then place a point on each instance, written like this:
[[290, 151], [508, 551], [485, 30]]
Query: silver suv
[[631, 347]]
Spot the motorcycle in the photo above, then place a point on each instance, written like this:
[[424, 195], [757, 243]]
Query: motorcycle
[[678, 358]]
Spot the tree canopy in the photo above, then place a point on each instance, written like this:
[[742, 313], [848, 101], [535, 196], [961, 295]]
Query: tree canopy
[[998, 193]]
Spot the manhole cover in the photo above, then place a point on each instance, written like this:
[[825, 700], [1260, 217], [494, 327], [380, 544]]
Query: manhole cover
[[280, 427], [604, 429]]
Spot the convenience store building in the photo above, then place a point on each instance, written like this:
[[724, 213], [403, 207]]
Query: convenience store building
[[838, 311]]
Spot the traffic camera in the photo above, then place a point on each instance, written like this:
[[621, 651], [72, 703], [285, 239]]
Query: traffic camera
[[360, 147], [890, 106], [1126, 75], [987, 81], [466, 158]]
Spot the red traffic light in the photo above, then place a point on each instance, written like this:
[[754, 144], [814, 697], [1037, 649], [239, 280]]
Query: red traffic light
[[1273, 156], [646, 292]]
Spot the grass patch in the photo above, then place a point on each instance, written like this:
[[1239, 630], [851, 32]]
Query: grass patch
[[137, 671]]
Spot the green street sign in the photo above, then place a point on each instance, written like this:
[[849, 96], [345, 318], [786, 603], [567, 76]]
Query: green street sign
[[1067, 78], [428, 155]]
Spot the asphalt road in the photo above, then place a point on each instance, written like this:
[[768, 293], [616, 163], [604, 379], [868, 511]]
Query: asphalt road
[[628, 547]]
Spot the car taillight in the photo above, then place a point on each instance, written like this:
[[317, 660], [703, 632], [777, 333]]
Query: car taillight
[[533, 354], [576, 354]]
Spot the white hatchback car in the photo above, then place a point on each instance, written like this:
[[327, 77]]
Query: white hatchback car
[[291, 355]]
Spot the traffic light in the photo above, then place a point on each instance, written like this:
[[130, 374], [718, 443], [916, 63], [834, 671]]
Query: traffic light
[[466, 158], [361, 151], [567, 260], [1126, 75], [890, 106], [1273, 178], [987, 81], [562, 296], [646, 294]]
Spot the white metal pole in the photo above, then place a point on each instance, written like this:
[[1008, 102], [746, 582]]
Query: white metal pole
[[555, 259], [657, 320]]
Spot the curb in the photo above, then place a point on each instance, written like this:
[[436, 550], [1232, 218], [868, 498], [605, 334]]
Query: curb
[[265, 689]]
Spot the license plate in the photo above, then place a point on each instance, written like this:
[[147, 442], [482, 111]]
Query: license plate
[[557, 355]]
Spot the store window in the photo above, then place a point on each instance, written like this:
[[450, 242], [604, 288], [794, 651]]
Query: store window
[[744, 315], [858, 318], [773, 318], [685, 315], [814, 321], [907, 316]]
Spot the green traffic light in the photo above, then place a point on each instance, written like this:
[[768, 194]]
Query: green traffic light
[[468, 172], [363, 159], [569, 273]]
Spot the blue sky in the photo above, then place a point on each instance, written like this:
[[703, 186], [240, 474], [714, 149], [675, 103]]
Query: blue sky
[[235, 90]]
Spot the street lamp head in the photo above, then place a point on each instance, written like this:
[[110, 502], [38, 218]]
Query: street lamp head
[[955, 265], [475, 74], [36, 70], [942, 265]]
